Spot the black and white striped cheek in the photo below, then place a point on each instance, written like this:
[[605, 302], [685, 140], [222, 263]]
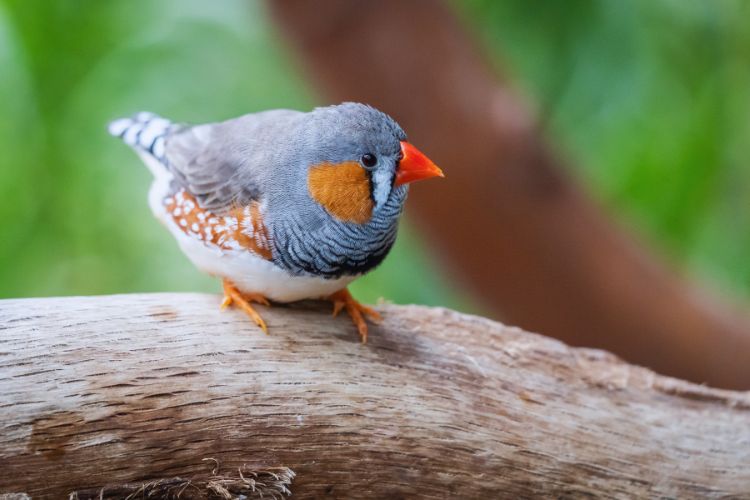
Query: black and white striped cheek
[[382, 183]]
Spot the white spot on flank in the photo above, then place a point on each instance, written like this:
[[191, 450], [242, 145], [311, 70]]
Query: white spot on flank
[[183, 222], [195, 228], [231, 223], [177, 212]]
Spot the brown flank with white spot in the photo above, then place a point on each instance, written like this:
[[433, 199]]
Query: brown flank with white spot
[[240, 228]]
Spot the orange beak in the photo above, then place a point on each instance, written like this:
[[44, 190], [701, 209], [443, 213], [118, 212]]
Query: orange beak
[[415, 166]]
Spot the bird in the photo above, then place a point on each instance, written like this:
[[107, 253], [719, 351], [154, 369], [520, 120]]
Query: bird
[[282, 205]]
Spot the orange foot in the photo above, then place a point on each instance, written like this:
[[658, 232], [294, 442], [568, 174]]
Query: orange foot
[[343, 299], [233, 296]]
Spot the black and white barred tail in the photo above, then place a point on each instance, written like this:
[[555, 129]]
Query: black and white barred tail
[[145, 132]]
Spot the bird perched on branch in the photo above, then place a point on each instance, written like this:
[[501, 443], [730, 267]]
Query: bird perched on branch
[[282, 205]]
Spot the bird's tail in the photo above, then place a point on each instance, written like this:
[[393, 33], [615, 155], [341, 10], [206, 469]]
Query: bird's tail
[[143, 131]]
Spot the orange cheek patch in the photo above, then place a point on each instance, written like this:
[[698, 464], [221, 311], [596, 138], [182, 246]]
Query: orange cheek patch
[[240, 228], [343, 189]]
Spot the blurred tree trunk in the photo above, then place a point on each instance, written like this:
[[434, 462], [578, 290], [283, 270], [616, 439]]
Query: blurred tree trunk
[[508, 220]]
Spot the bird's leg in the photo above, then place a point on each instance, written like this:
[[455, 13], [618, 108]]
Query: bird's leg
[[344, 300], [233, 296]]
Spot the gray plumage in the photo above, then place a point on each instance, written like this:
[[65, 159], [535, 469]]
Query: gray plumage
[[266, 157]]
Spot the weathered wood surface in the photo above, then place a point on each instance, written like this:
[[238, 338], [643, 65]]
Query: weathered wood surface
[[117, 390]]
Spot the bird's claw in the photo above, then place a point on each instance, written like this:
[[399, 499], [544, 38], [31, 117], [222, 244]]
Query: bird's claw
[[344, 300], [233, 296]]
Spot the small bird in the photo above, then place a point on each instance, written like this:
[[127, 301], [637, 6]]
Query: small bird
[[282, 205]]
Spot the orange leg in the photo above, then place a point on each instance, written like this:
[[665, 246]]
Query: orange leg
[[233, 296], [343, 299]]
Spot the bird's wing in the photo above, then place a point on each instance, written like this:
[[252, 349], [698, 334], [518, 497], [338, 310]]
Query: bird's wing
[[223, 164], [201, 165]]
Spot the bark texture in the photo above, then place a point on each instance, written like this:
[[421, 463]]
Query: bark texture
[[158, 391], [508, 219]]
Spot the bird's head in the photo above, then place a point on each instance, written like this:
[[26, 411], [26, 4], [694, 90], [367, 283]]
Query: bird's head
[[359, 158]]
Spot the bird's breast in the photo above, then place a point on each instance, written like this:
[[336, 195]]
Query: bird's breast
[[332, 248]]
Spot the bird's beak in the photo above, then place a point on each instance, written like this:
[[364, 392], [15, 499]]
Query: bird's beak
[[415, 166]]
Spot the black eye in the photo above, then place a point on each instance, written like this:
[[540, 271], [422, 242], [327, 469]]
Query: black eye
[[369, 160]]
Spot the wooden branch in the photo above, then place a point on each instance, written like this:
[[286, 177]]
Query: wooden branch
[[533, 235], [165, 393]]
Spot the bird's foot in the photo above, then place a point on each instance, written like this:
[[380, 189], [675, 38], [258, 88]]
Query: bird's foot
[[233, 296], [344, 300]]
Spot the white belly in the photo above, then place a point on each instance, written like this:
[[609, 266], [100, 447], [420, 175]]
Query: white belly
[[249, 272]]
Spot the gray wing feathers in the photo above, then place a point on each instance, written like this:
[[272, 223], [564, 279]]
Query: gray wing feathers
[[221, 164], [202, 163], [228, 163]]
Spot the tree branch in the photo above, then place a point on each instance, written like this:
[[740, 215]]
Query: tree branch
[[140, 389]]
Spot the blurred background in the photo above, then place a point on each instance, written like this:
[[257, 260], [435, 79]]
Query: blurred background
[[647, 101]]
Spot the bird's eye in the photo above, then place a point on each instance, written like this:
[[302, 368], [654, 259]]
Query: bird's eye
[[369, 160]]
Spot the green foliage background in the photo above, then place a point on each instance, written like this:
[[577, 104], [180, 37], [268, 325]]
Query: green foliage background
[[649, 99]]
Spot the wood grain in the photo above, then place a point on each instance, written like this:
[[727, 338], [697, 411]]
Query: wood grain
[[116, 390]]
